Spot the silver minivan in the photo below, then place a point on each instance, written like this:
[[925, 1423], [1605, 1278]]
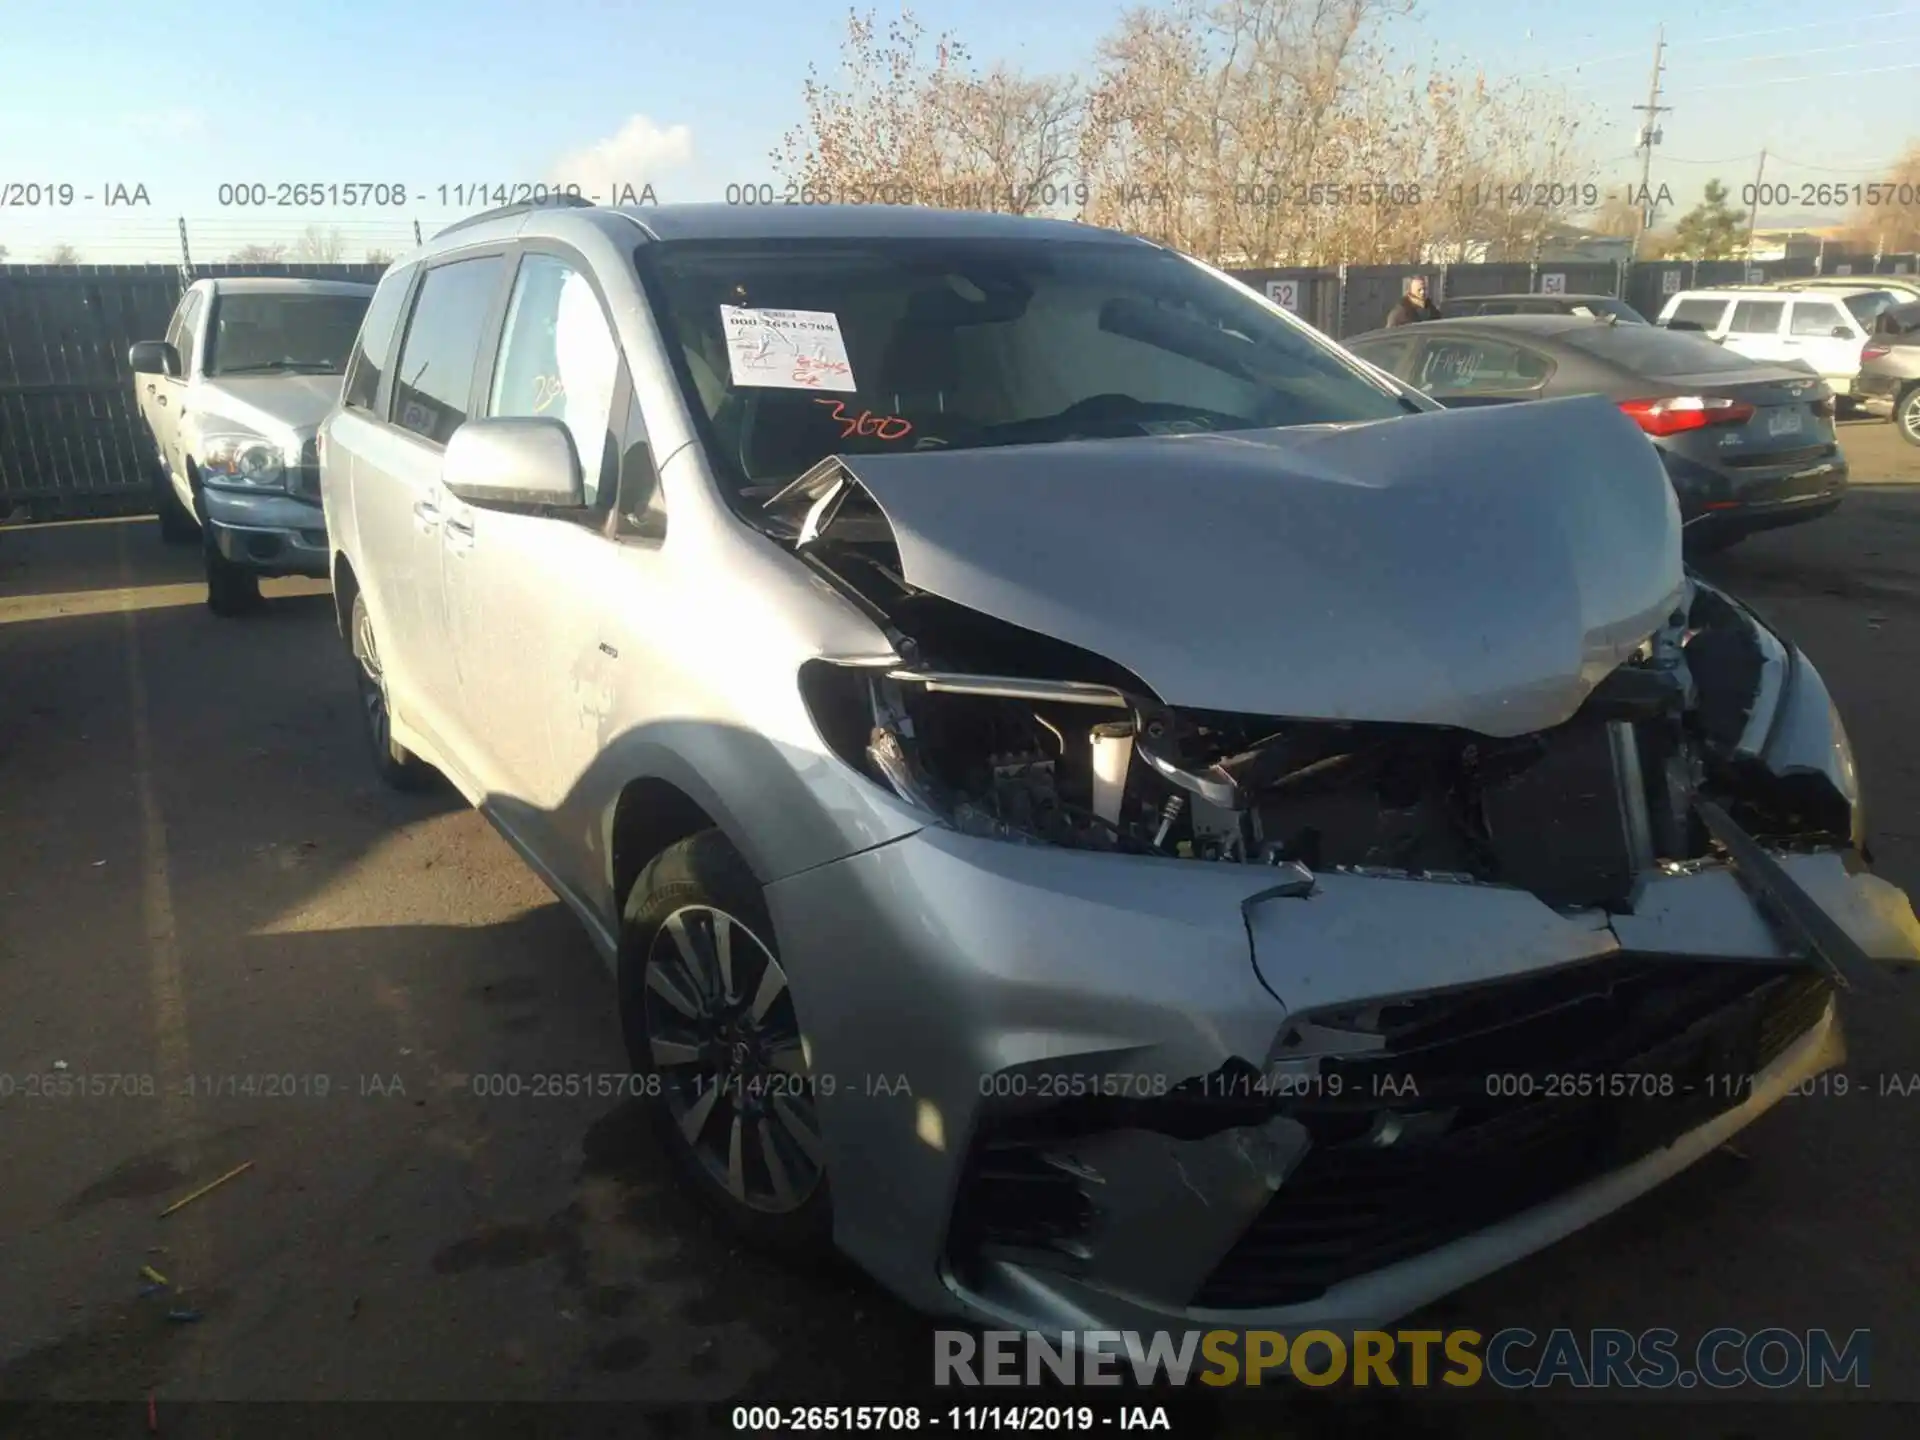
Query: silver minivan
[[1097, 802]]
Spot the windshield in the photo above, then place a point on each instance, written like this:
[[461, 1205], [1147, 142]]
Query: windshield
[[792, 351], [284, 331]]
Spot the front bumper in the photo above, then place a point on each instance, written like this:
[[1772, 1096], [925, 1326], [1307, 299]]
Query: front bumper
[[1041, 1114], [268, 534]]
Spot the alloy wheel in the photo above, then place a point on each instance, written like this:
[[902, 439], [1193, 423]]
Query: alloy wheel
[[725, 1041], [1910, 417]]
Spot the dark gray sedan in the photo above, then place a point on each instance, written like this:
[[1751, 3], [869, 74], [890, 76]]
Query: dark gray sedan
[[1749, 445]]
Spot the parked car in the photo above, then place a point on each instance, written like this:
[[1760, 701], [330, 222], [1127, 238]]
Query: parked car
[[1083, 784], [1749, 446], [1905, 287], [1469, 306], [233, 397], [1821, 329], [1890, 369]]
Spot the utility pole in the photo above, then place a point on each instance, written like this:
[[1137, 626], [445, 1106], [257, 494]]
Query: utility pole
[[1753, 211], [1649, 137]]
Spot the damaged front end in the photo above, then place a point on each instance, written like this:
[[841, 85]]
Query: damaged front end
[[1664, 880]]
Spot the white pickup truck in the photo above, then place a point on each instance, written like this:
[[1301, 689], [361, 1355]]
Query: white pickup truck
[[233, 397]]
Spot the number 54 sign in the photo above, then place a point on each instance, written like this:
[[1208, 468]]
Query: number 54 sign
[[1285, 292]]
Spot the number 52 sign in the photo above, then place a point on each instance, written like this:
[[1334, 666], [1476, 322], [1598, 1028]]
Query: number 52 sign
[[1285, 292]]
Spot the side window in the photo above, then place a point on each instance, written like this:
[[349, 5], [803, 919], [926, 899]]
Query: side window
[[434, 383], [189, 324], [559, 359], [1757, 317], [1469, 366], [642, 513], [373, 348], [1818, 318], [1700, 314], [1390, 355], [177, 325]]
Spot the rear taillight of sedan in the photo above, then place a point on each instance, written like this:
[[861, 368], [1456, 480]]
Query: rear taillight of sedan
[[1674, 414], [1873, 351]]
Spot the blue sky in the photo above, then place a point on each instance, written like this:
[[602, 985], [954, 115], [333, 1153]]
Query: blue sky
[[691, 96]]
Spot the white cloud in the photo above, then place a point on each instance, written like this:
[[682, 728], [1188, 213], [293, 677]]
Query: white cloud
[[634, 155]]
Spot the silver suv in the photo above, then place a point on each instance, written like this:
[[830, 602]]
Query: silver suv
[[1097, 801]]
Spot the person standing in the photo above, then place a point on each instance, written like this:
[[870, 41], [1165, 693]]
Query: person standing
[[1414, 305]]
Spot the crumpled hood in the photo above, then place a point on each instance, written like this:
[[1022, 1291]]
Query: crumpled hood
[[1478, 568], [268, 402]]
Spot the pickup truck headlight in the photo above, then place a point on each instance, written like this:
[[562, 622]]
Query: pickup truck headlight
[[244, 462]]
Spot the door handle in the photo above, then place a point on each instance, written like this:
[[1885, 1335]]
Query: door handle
[[161, 400], [426, 513], [456, 525]]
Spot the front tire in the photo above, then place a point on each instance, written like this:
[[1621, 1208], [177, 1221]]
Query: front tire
[[1906, 415], [398, 767], [177, 525], [709, 1020], [231, 589]]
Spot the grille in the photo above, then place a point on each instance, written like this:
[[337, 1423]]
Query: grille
[[1467, 1158]]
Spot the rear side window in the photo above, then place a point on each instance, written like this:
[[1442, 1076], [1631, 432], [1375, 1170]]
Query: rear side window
[[373, 349], [1704, 313], [434, 383], [1817, 318], [1467, 366], [1757, 317], [1390, 355], [1866, 307]]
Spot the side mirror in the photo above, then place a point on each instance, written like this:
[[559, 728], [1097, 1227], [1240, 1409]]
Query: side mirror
[[154, 357], [515, 461]]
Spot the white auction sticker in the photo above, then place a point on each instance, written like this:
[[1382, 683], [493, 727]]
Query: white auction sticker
[[787, 349]]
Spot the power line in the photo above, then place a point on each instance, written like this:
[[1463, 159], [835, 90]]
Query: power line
[[1801, 79], [1620, 55]]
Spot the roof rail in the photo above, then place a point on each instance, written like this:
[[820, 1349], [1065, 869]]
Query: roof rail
[[560, 200]]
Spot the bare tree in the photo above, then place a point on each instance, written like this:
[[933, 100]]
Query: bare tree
[[319, 247], [906, 119], [274, 254], [380, 257], [1287, 132], [1617, 216], [1014, 136], [62, 254], [1886, 216], [3, 254]]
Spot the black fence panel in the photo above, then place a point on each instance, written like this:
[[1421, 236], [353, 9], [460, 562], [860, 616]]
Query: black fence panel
[[1311, 292], [1373, 290], [1498, 278], [69, 429]]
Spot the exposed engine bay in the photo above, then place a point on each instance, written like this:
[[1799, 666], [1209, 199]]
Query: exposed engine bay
[[1573, 814]]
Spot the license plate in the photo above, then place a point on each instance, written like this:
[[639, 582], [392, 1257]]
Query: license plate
[[1784, 422]]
